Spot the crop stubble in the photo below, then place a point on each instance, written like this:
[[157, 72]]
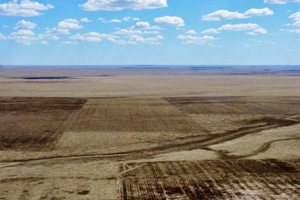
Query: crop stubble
[[214, 179], [33, 123], [130, 115]]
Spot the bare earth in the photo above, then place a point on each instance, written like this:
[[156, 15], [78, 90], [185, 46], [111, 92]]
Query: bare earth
[[149, 133]]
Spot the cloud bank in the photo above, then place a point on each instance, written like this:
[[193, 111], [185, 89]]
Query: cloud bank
[[117, 5]]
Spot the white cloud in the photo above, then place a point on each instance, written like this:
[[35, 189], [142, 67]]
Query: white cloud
[[210, 31], [101, 19], [25, 25], [280, 1], [169, 21], [134, 32], [109, 21], [26, 8], [25, 37], [238, 27], [145, 25], [2, 37], [126, 19], [190, 32], [69, 24], [295, 31], [296, 18], [92, 37], [115, 21], [116, 5], [218, 15], [85, 19], [258, 31], [225, 14], [142, 25], [67, 42], [63, 28], [128, 32], [53, 33], [59, 31], [44, 42], [259, 12], [135, 19], [151, 32], [254, 28], [135, 39], [189, 39]]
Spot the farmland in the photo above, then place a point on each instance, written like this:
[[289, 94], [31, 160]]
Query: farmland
[[154, 134]]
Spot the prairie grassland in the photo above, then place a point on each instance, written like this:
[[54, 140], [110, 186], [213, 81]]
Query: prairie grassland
[[154, 134]]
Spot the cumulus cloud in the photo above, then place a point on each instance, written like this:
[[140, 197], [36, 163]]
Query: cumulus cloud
[[296, 18], [25, 25], [294, 31], [189, 39], [87, 37], [126, 19], [44, 42], [134, 32], [169, 21], [210, 31], [109, 21], [254, 28], [115, 21], [25, 37], [68, 42], [93, 37], [258, 31], [135, 39], [281, 1], [2, 37], [128, 32], [128, 39], [116, 5], [238, 27], [135, 19], [69, 24], [85, 19], [23, 8], [258, 12], [59, 31], [191, 32], [145, 25], [218, 15], [225, 14], [63, 28]]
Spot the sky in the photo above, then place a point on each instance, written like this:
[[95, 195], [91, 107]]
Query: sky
[[154, 32]]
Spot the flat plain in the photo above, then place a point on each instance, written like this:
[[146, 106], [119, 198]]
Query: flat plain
[[148, 133]]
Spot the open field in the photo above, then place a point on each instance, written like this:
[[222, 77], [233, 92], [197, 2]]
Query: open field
[[149, 134], [240, 179], [33, 122]]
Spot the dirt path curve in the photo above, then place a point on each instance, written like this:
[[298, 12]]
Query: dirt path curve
[[263, 148], [195, 142]]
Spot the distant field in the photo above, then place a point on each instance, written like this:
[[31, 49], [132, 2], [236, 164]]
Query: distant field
[[237, 105], [130, 115]]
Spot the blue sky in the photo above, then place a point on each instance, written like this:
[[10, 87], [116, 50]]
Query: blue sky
[[169, 32]]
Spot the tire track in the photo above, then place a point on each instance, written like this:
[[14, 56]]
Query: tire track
[[199, 142], [263, 148]]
